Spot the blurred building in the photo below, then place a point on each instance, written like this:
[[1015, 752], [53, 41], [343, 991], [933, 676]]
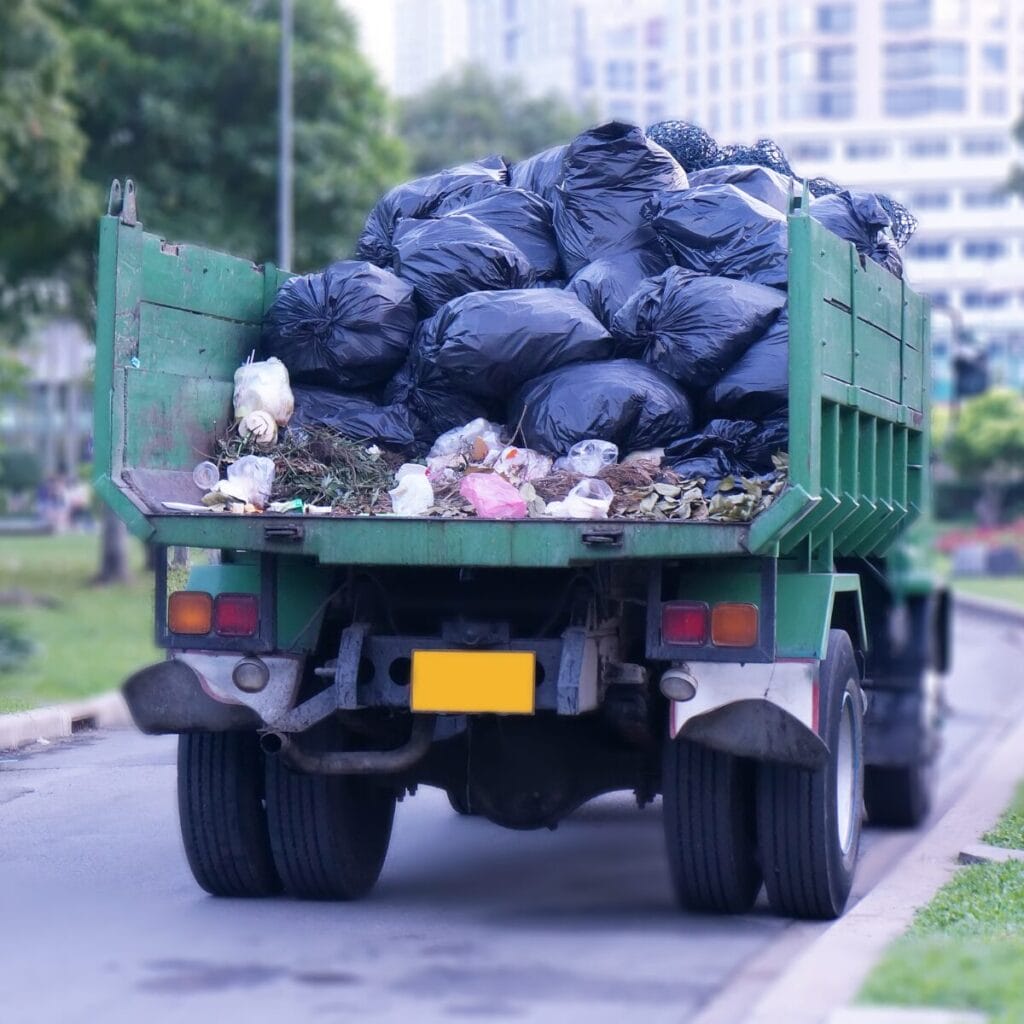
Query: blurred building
[[430, 40], [51, 414], [913, 97]]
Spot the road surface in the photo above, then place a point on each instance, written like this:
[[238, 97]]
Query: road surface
[[100, 920]]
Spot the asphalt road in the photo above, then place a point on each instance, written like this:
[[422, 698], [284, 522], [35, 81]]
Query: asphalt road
[[100, 920]]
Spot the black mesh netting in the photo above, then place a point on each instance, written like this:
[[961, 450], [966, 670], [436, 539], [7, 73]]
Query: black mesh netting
[[690, 145], [763, 153], [904, 223], [823, 187]]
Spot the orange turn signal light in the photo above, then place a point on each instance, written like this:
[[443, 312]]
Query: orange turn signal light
[[734, 625], [190, 612]]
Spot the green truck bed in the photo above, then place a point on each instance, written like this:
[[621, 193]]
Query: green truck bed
[[174, 322]]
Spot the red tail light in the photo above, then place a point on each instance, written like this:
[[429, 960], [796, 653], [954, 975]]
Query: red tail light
[[236, 614], [684, 622]]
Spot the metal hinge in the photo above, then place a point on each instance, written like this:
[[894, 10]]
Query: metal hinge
[[122, 202]]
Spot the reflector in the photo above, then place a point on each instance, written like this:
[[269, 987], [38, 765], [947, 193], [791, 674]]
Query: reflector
[[236, 614], [189, 612], [734, 625], [684, 622]]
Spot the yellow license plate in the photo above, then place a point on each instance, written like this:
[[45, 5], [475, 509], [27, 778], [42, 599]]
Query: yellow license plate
[[466, 682]]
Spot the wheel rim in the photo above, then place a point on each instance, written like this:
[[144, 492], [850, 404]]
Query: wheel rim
[[847, 767]]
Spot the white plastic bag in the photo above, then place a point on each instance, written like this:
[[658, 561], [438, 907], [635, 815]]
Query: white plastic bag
[[589, 499], [521, 465], [251, 480], [461, 440], [591, 456], [264, 387], [413, 495]]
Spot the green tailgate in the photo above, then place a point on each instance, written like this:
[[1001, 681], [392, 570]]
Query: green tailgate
[[174, 321]]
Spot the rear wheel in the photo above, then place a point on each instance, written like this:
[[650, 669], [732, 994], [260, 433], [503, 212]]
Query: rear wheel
[[708, 814], [223, 822], [809, 821], [898, 797], [329, 833]]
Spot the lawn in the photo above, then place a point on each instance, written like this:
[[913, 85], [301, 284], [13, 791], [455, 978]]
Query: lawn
[[965, 950], [89, 639], [1003, 588]]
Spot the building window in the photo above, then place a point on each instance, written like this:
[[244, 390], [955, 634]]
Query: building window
[[760, 25], [934, 200], [811, 150], [867, 149], [983, 145], [835, 17], [714, 77], [692, 84], [511, 9], [692, 44], [993, 57], [928, 147], [836, 104], [977, 299], [993, 102], [737, 114], [984, 249], [713, 36], [933, 250], [653, 76], [760, 68], [835, 64], [736, 73], [511, 45], [939, 299], [760, 110], [655, 33], [914, 100], [925, 60], [983, 198], [620, 74], [736, 33], [901, 15]]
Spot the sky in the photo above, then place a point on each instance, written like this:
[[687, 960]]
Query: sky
[[376, 22]]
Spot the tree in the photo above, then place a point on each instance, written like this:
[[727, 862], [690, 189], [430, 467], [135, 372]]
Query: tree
[[987, 446], [469, 115], [42, 196], [181, 95]]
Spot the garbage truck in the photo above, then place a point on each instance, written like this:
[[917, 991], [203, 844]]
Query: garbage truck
[[772, 681]]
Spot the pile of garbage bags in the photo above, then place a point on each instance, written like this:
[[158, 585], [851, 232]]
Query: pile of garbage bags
[[625, 292]]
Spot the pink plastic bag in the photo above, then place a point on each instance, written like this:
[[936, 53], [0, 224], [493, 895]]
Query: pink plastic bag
[[492, 496]]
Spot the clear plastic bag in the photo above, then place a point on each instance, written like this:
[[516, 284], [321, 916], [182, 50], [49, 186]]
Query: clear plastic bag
[[263, 387], [252, 479], [464, 440], [589, 499], [591, 456]]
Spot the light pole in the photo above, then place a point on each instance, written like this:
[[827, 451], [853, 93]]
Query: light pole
[[285, 143]]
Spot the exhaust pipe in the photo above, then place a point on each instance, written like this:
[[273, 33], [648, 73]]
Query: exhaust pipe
[[352, 762]]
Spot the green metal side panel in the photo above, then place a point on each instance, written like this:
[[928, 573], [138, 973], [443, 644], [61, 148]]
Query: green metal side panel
[[804, 612], [174, 321]]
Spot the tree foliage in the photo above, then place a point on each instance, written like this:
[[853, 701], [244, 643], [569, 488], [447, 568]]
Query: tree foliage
[[469, 114], [182, 95], [42, 196]]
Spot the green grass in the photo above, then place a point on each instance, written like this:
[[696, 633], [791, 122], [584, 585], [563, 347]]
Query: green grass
[[965, 950], [1009, 588], [1009, 831], [91, 639]]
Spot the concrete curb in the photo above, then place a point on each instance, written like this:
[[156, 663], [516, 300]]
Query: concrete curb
[[989, 608], [107, 711], [829, 972]]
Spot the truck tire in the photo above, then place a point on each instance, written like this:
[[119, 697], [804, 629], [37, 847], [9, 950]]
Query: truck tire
[[900, 796], [220, 807], [329, 833], [809, 820], [708, 814]]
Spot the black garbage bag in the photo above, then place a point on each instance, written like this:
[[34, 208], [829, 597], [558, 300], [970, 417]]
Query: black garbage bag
[[604, 285], [422, 197], [609, 173], [860, 218], [694, 327], [628, 403], [691, 146], [433, 406], [349, 326], [756, 386], [524, 218], [728, 448], [722, 231], [541, 173], [453, 256], [763, 153], [770, 187], [489, 343], [355, 416]]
